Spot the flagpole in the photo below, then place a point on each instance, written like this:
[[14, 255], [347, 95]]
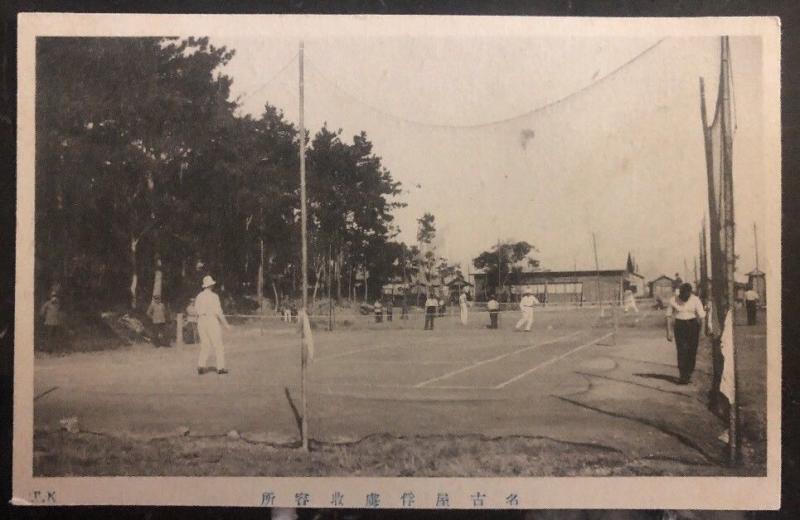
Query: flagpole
[[304, 249]]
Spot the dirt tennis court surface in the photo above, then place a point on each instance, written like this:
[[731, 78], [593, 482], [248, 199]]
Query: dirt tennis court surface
[[569, 380]]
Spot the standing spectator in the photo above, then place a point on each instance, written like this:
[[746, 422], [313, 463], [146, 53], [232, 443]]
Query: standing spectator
[[526, 308], [463, 304], [442, 305], [751, 301], [209, 317], [431, 308], [389, 310], [51, 312], [378, 310], [191, 322], [494, 309], [676, 284], [684, 317], [157, 313]]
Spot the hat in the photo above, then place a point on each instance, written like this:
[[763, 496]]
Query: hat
[[208, 281]]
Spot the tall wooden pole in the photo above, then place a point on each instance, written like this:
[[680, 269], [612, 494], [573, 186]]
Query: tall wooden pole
[[755, 243], [597, 271], [304, 249], [730, 258]]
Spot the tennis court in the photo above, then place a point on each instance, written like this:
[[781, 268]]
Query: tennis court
[[572, 378]]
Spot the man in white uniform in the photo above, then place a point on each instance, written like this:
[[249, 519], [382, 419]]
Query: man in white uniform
[[526, 307], [209, 317], [463, 303], [630, 301]]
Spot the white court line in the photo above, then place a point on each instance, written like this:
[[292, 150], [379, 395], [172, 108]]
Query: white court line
[[551, 361], [496, 358]]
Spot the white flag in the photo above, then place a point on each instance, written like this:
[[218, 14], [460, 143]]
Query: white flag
[[308, 339], [727, 384]]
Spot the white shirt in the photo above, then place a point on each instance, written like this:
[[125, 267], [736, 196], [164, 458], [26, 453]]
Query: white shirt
[[462, 300], [492, 305], [750, 295], [528, 301], [431, 302], [688, 310], [207, 304]]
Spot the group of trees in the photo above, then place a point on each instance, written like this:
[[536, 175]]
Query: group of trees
[[144, 171]]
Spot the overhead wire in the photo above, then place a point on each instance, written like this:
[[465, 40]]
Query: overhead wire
[[269, 81], [497, 122]]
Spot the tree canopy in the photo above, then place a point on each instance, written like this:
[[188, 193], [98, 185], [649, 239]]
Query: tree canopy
[[503, 262], [143, 165]]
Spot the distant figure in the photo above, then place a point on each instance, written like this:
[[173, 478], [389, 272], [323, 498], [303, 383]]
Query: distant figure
[[526, 308], [292, 313], [157, 313], [751, 301], [51, 312], [463, 304], [209, 318], [389, 310], [442, 306], [404, 309], [494, 309], [629, 301], [431, 308], [191, 322], [676, 284], [685, 314], [378, 309]]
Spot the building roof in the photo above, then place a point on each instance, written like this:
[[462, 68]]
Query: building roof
[[560, 274], [662, 277]]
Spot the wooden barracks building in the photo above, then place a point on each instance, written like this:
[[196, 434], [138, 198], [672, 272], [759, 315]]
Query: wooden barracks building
[[575, 287]]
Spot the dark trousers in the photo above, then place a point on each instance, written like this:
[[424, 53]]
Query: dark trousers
[[430, 313], [687, 335], [160, 335], [378, 317], [751, 311], [388, 314], [493, 319]]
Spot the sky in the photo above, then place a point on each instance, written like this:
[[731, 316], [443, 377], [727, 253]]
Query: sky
[[544, 139]]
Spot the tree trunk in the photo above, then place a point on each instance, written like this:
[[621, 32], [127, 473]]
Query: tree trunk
[[134, 276], [157, 279], [260, 278], [337, 268], [275, 292]]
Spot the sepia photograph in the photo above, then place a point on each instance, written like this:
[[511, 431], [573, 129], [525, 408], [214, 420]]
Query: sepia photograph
[[475, 250]]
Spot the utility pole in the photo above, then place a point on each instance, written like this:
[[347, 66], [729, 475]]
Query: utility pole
[[730, 257], [597, 271], [304, 255], [499, 267], [755, 243]]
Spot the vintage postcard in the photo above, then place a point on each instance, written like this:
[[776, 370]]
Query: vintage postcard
[[398, 262]]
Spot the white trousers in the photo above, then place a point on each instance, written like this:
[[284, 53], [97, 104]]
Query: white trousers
[[527, 318], [464, 314], [210, 336], [631, 304]]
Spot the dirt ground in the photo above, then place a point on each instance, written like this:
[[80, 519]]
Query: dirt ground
[[391, 399]]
